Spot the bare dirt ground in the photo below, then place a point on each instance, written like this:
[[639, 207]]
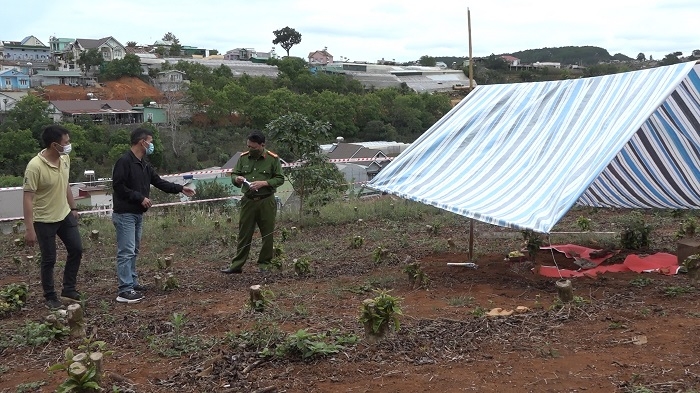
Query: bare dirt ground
[[133, 90], [625, 332]]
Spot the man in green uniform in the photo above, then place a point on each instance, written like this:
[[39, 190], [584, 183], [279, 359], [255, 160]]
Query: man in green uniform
[[258, 172]]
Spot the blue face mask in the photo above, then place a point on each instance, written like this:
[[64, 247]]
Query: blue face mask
[[150, 149]]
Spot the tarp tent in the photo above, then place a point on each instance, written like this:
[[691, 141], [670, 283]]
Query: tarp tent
[[521, 155]]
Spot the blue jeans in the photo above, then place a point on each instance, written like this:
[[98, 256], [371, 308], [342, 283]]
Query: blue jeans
[[128, 227], [67, 231]]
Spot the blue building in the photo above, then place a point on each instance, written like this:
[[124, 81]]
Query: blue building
[[14, 80]]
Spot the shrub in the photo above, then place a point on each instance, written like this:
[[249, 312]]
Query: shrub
[[533, 241], [301, 266], [380, 313], [583, 223], [416, 276], [13, 297], [635, 232]]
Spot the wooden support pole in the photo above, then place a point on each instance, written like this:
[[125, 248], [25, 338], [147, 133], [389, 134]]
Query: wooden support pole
[[471, 239], [471, 61]]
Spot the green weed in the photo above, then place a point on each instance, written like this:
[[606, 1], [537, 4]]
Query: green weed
[[674, 290], [34, 334], [460, 301], [12, 297], [29, 386], [641, 282]]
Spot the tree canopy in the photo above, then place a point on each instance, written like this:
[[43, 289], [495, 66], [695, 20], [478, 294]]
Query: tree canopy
[[427, 61], [90, 58], [286, 38], [581, 55], [130, 65]]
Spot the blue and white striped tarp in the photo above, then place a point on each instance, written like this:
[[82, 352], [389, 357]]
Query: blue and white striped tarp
[[521, 155]]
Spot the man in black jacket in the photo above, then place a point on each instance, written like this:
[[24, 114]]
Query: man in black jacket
[[132, 178]]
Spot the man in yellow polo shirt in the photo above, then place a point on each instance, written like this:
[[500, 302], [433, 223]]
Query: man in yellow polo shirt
[[49, 211]]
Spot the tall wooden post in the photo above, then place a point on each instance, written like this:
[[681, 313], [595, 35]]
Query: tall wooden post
[[471, 67], [471, 240], [471, 87]]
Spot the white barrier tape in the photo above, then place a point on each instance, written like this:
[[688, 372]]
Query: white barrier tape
[[70, 184], [217, 171], [292, 165], [98, 211], [107, 181]]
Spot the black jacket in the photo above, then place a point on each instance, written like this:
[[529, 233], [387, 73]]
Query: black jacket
[[132, 179]]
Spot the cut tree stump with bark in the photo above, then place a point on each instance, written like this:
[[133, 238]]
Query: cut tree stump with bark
[[565, 290], [158, 281], [76, 321], [77, 370], [94, 234], [96, 359], [168, 261], [52, 320], [80, 357], [257, 300]]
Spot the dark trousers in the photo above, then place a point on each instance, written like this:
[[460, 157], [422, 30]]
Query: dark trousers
[[67, 231]]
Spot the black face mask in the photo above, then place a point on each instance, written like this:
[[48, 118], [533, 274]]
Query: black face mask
[[254, 153]]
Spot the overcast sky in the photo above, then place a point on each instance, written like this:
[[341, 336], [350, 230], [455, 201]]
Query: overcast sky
[[366, 30]]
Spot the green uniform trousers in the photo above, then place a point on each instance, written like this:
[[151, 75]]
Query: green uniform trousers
[[261, 213]]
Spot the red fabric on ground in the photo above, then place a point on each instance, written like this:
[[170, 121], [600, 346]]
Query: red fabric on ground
[[660, 262], [551, 271], [571, 250]]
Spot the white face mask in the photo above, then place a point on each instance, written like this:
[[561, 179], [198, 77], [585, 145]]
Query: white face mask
[[66, 150]]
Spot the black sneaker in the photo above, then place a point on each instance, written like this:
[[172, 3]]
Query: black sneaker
[[140, 288], [53, 304], [73, 295], [129, 297]]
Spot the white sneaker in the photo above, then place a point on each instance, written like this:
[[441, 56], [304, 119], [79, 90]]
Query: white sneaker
[[130, 297]]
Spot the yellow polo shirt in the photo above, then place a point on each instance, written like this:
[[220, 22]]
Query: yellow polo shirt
[[49, 184]]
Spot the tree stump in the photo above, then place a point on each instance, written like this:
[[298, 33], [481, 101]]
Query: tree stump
[[170, 282], [19, 242], [80, 357], [77, 370], [158, 281], [217, 225], [168, 261], [693, 267], [15, 228], [52, 320], [96, 360], [257, 300], [229, 219], [565, 290], [94, 234], [76, 321]]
